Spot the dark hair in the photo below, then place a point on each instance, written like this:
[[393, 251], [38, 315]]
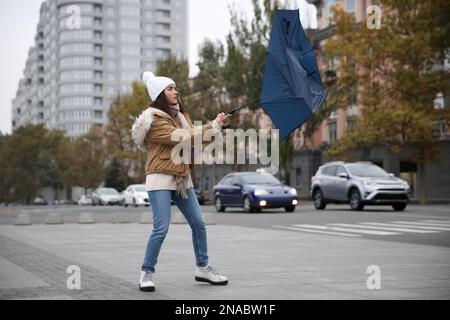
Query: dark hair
[[162, 104]]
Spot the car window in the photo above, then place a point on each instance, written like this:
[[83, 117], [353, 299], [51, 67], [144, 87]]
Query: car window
[[329, 171], [108, 191], [260, 178], [340, 169], [139, 189], [226, 180], [361, 170]]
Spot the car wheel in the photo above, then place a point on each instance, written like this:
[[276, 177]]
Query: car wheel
[[355, 200], [247, 205], [318, 201], [218, 205], [399, 206], [289, 208]]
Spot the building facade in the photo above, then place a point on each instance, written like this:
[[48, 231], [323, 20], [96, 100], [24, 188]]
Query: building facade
[[87, 52], [309, 153]]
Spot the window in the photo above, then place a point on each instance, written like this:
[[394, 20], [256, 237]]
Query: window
[[329, 171], [98, 88], [97, 22], [97, 35], [98, 61], [339, 170], [330, 4], [98, 101], [350, 124], [97, 48], [332, 132], [97, 8], [350, 6], [98, 113], [97, 75]]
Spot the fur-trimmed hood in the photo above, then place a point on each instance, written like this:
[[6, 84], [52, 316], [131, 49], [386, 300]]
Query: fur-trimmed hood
[[143, 123]]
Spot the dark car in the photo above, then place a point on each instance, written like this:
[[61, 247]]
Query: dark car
[[253, 191]]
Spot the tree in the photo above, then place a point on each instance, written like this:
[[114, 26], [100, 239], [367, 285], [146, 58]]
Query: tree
[[393, 73], [114, 178], [121, 115], [30, 160], [85, 160]]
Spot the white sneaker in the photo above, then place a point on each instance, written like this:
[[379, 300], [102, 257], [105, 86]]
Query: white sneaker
[[146, 281], [211, 275]]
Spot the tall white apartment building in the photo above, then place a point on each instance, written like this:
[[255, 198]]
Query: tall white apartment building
[[87, 52]]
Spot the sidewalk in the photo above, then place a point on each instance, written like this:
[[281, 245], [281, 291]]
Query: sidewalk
[[260, 264]]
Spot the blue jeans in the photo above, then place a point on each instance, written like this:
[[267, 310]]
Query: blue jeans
[[160, 202]]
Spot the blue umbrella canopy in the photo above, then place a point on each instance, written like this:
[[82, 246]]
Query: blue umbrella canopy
[[292, 89]]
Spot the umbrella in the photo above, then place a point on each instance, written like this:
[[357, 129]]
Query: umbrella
[[292, 89]]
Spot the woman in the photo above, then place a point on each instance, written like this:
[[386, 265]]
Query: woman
[[167, 179]]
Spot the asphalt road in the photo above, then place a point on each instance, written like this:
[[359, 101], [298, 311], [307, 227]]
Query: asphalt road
[[418, 224]]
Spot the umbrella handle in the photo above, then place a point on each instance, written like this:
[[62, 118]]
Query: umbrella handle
[[244, 105]]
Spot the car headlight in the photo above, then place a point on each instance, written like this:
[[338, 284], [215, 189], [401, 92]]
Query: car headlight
[[293, 191], [260, 192]]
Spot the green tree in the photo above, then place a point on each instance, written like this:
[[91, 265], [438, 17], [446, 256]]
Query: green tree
[[121, 116], [114, 177], [397, 81]]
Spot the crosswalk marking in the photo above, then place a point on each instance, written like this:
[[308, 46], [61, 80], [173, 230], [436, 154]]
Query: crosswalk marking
[[318, 231], [329, 228], [408, 225], [394, 228], [438, 221], [371, 228], [429, 224], [423, 225]]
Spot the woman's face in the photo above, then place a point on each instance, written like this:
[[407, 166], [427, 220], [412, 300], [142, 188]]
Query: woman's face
[[171, 95]]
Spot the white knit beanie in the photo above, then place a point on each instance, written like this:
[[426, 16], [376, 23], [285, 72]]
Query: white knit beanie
[[155, 85]]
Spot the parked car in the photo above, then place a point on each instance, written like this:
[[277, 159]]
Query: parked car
[[85, 200], [359, 184], [104, 196], [136, 195], [253, 191], [40, 201], [64, 202]]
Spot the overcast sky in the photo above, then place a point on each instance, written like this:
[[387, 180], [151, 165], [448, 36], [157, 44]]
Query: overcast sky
[[18, 20]]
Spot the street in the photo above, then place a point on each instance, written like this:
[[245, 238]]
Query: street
[[307, 254], [418, 224]]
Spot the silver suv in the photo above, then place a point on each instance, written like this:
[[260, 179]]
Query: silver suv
[[358, 183]]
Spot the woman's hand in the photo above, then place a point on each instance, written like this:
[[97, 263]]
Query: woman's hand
[[222, 119]]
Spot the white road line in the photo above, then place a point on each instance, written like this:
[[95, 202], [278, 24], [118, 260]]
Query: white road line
[[317, 231], [406, 225], [382, 228], [444, 223], [431, 225], [328, 228]]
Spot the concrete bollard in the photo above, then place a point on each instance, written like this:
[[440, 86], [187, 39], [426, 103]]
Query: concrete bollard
[[122, 217], [54, 218], [209, 218], [177, 218], [146, 218], [86, 217], [23, 219]]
